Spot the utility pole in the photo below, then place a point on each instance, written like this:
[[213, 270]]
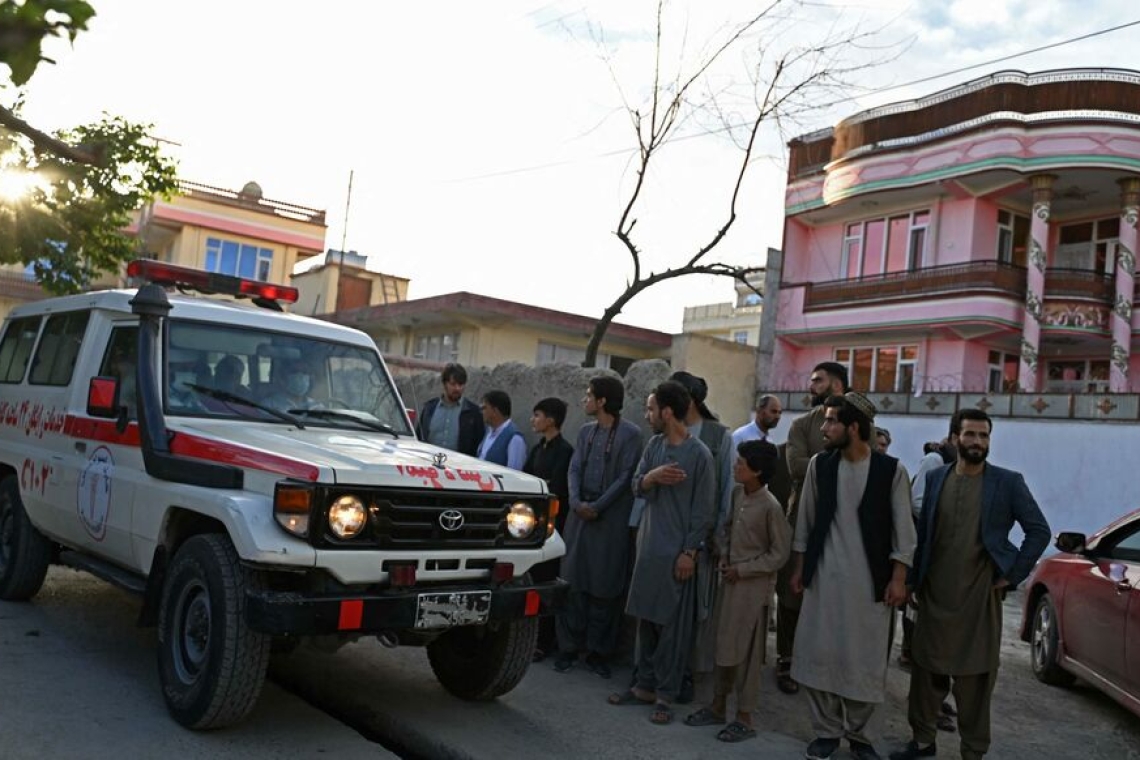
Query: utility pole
[[343, 241]]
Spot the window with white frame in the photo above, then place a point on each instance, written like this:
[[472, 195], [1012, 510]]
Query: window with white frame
[[1012, 237], [442, 347], [880, 369], [238, 259], [553, 353], [1001, 372], [1088, 245], [740, 336], [888, 244]]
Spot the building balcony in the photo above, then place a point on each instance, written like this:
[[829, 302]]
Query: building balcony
[[948, 281], [20, 286], [958, 281]]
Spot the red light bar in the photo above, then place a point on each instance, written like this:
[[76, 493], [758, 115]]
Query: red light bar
[[168, 275]]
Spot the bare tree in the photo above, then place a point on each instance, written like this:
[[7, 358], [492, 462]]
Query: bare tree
[[784, 83]]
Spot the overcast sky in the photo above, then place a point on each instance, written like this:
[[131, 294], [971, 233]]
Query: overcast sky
[[489, 142]]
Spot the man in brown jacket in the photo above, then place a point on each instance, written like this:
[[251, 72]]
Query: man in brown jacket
[[805, 440]]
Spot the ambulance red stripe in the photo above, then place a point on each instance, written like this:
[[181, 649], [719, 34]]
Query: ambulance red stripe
[[186, 444]]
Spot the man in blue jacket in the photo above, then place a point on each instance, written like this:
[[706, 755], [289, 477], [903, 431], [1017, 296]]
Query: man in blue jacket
[[963, 567], [450, 420]]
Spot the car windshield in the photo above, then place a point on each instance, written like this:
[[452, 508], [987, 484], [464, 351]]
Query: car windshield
[[217, 370]]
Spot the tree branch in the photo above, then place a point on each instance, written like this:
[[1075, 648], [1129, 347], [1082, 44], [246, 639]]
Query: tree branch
[[46, 142]]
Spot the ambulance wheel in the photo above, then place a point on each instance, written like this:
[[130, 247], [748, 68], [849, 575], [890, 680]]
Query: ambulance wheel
[[482, 662], [24, 552]]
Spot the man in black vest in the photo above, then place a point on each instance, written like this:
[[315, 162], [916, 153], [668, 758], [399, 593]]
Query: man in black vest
[[854, 541]]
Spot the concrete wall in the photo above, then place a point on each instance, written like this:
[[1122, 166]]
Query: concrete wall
[[729, 369], [1079, 471]]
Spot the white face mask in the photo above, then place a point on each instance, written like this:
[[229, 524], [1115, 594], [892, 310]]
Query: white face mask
[[297, 384]]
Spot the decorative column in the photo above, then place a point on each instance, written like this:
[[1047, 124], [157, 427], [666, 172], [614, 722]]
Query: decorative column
[[1125, 284], [1035, 281]]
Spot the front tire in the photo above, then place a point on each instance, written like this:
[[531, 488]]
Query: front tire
[[1045, 645], [24, 552], [480, 663], [211, 665]]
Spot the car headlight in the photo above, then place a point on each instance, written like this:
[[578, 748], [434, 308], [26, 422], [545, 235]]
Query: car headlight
[[347, 516], [521, 520]]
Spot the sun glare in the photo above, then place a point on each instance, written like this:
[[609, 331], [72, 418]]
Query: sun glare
[[16, 184]]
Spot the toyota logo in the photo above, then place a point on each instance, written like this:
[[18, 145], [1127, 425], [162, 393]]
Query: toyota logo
[[451, 519]]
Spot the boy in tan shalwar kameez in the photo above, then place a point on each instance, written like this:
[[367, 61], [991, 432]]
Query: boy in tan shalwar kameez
[[755, 544]]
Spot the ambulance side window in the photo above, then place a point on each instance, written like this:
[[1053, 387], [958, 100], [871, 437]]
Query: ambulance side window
[[56, 355], [16, 348], [119, 361]]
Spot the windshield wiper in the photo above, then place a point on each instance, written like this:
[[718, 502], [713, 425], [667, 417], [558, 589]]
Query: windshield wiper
[[234, 398], [334, 414]]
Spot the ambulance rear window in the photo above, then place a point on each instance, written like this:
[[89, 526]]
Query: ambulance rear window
[[16, 348], [58, 350]]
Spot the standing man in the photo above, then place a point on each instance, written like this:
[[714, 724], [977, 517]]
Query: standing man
[[676, 478], [503, 443], [597, 529], [854, 542], [882, 440], [964, 566], [704, 426], [451, 421], [805, 440], [767, 417], [549, 459]]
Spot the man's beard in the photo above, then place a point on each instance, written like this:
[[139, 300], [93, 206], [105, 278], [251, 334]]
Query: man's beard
[[819, 398], [837, 444], [973, 455]]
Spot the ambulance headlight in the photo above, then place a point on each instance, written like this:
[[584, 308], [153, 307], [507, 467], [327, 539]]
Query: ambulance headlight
[[521, 520], [347, 516]]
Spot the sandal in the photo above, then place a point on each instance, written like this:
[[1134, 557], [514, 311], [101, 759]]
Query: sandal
[[628, 697], [736, 732], [703, 717], [662, 714]]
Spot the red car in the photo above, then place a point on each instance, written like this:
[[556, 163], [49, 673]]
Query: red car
[[1082, 612]]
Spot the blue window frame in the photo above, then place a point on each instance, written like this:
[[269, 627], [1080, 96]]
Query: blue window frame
[[238, 259]]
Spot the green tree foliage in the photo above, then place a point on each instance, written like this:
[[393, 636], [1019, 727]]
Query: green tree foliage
[[24, 24], [83, 183], [70, 225]]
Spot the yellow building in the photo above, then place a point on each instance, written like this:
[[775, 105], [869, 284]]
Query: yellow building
[[343, 282], [738, 322], [232, 232], [239, 233], [481, 331]]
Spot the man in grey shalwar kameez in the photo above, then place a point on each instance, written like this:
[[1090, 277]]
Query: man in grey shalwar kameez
[[854, 541], [597, 533], [677, 479]]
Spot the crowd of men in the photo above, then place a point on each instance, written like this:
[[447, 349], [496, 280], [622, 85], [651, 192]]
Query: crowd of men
[[695, 532]]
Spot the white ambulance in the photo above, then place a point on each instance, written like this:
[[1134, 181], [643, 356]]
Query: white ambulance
[[254, 476]]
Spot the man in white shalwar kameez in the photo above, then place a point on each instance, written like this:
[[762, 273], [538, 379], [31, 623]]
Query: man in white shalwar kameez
[[854, 541]]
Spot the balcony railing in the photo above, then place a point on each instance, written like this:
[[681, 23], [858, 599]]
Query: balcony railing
[[1080, 283], [948, 281], [257, 203], [959, 280], [20, 286]]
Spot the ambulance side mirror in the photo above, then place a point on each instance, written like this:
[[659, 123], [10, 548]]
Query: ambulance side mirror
[[103, 401]]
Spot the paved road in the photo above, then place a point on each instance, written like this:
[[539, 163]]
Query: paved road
[[77, 680]]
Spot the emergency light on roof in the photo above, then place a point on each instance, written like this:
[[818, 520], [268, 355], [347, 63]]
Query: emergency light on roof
[[168, 275]]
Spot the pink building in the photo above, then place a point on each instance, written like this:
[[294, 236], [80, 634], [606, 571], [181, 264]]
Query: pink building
[[981, 239]]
